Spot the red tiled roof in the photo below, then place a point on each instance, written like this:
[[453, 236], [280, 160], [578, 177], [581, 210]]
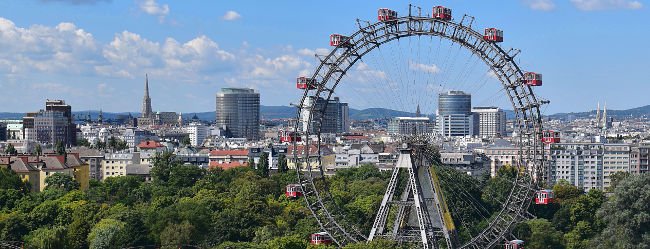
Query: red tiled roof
[[229, 165], [229, 153], [149, 145]]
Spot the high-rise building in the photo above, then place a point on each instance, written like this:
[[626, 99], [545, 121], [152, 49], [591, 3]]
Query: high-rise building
[[454, 116], [66, 110], [491, 121], [330, 116], [238, 112], [52, 127]]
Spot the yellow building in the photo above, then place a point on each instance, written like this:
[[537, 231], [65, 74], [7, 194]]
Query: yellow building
[[35, 169]]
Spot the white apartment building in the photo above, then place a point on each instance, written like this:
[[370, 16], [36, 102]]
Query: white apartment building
[[197, 132], [616, 158], [580, 164], [491, 121]]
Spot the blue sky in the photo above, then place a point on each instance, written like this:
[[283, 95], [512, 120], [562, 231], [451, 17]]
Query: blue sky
[[95, 53]]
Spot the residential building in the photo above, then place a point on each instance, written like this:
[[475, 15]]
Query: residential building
[[35, 169], [640, 159], [580, 164], [227, 159], [616, 158], [238, 112], [115, 164], [491, 121], [358, 154], [198, 132], [410, 126]]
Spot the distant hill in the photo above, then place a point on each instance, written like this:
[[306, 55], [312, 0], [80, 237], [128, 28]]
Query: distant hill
[[377, 113], [285, 112], [634, 112]]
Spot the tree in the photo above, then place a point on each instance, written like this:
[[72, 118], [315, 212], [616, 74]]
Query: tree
[[61, 181], [10, 150], [112, 143], [162, 164], [59, 148], [543, 235], [10, 180], [83, 142], [263, 165], [186, 141], [563, 190], [282, 163], [615, 179], [251, 163], [185, 175], [107, 233], [176, 235], [626, 215], [38, 151], [46, 238]]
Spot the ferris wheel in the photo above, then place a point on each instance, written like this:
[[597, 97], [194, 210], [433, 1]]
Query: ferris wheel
[[432, 228]]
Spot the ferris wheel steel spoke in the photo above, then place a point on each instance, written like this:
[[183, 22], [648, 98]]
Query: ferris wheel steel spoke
[[528, 123]]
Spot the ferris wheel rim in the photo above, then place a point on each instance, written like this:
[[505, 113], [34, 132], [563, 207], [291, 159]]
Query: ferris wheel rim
[[526, 108]]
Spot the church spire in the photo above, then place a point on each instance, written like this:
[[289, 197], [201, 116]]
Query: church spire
[[605, 116], [598, 115], [146, 100], [417, 111]]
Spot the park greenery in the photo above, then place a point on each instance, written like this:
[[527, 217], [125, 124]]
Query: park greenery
[[189, 207]]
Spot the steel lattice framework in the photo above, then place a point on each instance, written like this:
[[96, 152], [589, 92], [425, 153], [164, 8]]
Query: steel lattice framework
[[334, 66]]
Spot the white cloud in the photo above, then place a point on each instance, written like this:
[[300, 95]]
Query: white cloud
[[231, 15], [432, 69], [130, 55], [70, 56], [592, 5], [542, 5], [363, 73], [64, 48], [311, 52], [152, 8], [492, 75]]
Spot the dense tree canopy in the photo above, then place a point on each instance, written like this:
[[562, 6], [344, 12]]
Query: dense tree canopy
[[244, 208]]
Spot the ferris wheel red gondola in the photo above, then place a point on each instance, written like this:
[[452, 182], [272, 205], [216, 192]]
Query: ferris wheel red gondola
[[303, 83], [544, 197], [493, 35], [386, 15], [442, 13], [550, 137], [293, 191], [532, 79], [289, 136], [337, 40], [322, 238], [515, 244]]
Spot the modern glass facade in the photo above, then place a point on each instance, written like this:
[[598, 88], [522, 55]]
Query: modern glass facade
[[238, 112], [454, 116]]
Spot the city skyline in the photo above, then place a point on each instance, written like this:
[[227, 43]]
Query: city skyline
[[92, 52]]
